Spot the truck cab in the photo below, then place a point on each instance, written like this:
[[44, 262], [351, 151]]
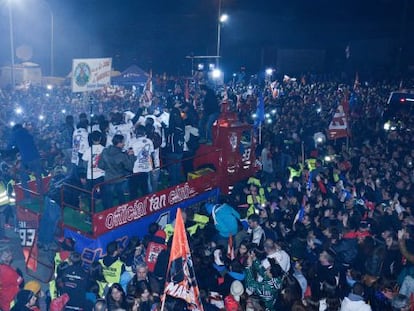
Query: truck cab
[[232, 152]]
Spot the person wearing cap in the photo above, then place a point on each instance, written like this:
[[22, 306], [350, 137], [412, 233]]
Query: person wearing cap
[[232, 301], [25, 300], [10, 280], [35, 287]]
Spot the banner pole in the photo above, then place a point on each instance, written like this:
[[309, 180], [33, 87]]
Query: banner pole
[[303, 154]]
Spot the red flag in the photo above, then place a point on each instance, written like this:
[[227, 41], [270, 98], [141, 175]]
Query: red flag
[[338, 128], [230, 248], [31, 261], [147, 94], [181, 282]]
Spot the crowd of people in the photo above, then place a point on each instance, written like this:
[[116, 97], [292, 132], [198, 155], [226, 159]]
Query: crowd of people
[[324, 225]]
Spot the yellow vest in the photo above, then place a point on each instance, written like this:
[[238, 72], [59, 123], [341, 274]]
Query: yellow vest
[[261, 200], [102, 286], [311, 164], [4, 197], [10, 191], [112, 273], [169, 231], [52, 284], [294, 172]]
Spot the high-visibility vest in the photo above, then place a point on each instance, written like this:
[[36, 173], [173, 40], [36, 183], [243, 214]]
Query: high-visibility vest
[[102, 287], [169, 231], [294, 172], [261, 200], [200, 221], [311, 164], [4, 197], [255, 181], [59, 258], [112, 273], [10, 191]]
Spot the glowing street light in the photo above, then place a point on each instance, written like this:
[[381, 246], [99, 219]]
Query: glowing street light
[[18, 110], [216, 74], [222, 18]]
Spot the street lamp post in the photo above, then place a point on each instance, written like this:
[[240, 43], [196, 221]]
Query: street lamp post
[[13, 81], [221, 18], [52, 37]]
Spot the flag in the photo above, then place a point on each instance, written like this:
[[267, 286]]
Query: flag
[[30, 257], [356, 82], [230, 248], [147, 94], [338, 128], [187, 91], [181, 282], [274, 89], [260, 113]]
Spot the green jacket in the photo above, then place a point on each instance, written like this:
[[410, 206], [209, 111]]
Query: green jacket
[[267, 289]]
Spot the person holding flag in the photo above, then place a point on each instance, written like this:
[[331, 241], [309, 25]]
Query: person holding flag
[[181, 282]]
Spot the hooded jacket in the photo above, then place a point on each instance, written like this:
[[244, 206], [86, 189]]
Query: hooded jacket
[[115, 162], [354, 303], [225, 219]]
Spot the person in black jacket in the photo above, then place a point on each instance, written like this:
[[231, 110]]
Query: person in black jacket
[[211, 111], [175, 146], [74, 280]]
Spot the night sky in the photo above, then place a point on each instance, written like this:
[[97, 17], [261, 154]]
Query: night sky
[[158, 34]]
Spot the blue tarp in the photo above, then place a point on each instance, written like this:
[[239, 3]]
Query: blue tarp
[[133, 75]]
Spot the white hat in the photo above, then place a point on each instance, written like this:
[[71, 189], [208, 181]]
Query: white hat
[[236, 289]]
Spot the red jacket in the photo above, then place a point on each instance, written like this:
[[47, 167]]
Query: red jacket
[[9, 286]]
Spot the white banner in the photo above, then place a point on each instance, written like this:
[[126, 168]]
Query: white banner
[[91, 74]]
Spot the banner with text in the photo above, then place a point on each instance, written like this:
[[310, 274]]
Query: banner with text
[[90, 74]]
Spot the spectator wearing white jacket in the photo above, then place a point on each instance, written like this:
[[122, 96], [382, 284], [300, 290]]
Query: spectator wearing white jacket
[[355, 300]]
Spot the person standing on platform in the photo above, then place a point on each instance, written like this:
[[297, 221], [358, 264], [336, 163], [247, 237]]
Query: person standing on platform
[[144, 151], [116, 163], [23, 140]]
